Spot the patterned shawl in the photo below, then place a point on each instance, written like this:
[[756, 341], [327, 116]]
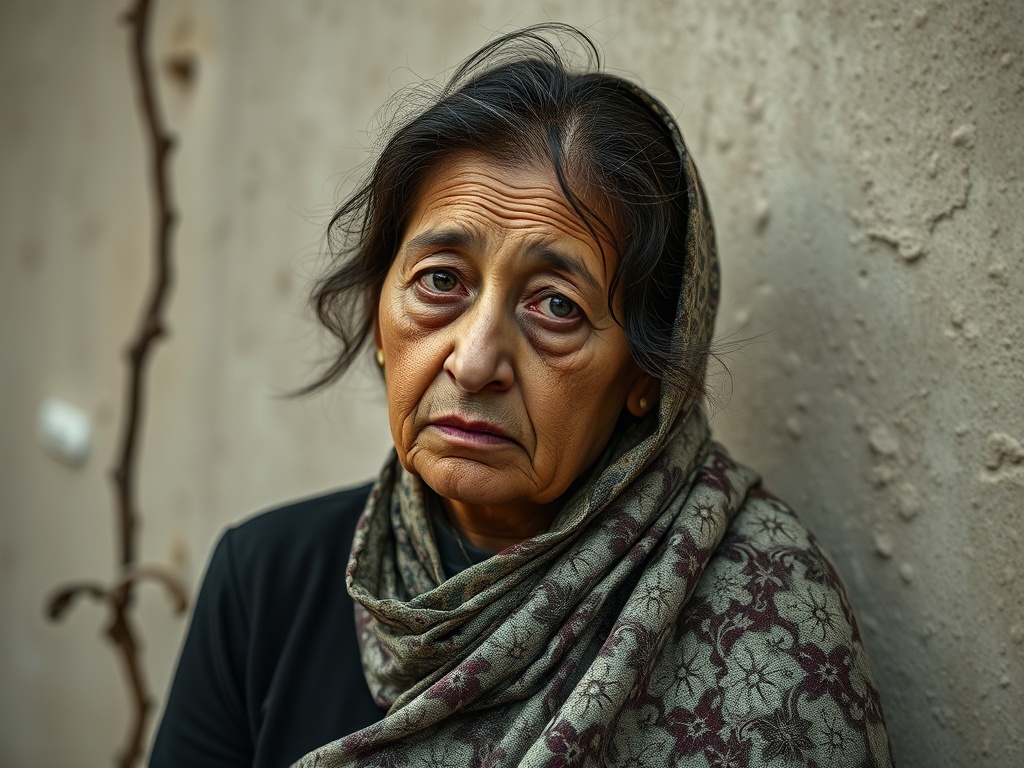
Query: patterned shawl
[[675, 613]]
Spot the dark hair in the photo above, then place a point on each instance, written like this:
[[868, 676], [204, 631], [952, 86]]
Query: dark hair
[[517, 100]]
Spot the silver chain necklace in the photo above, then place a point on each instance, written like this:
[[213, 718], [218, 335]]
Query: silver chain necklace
[[458, 541]]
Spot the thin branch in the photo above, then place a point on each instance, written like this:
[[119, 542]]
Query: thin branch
[[118, 597], [62, 599], [171, 583], [151, 326]]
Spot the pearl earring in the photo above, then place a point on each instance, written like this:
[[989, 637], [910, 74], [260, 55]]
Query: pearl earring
[[380, 358], [643, 403]]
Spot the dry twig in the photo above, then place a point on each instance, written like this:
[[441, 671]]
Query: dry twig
[[118, 596]]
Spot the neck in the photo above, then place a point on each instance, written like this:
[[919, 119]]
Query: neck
[[494, 528]]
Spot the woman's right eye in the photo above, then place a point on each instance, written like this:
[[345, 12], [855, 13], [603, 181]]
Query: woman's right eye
[[440, 280]]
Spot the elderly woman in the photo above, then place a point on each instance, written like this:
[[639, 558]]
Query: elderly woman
[[557, 566]]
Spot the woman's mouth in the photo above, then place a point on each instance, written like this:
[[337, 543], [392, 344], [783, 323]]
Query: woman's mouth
[[472, 433]]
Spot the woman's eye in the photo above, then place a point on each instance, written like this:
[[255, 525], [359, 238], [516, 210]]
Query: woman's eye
[[441, 280], [558, 306]]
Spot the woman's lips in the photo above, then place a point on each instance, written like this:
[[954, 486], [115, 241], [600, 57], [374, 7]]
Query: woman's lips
[[475, 433]]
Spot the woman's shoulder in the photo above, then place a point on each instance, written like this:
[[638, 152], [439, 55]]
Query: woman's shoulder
[[270, 665], [782, 653], [766, 522], [300, 535], [307, 520], [769, 563]]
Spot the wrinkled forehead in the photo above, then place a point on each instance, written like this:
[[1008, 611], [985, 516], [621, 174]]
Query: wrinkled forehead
[[477, 191]]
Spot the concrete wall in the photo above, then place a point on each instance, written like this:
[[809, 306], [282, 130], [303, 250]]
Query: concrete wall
[[864, 161]]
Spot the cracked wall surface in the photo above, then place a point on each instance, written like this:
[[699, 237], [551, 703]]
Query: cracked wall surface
[[864, 165]]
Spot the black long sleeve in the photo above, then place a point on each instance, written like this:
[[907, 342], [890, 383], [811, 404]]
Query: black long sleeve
[[270, 668]]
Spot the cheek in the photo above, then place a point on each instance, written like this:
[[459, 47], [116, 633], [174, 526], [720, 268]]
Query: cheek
[[403, 367], [406, 378], [411, 369], [574, 415]]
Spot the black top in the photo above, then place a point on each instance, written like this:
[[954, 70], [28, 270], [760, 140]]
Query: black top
[[457, 553], [270, 668]]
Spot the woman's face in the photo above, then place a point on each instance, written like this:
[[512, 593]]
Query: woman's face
[[505, 371]]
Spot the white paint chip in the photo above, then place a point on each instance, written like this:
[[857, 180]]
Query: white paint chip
[[65, 431]]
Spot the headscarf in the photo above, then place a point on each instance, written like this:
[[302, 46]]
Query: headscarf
[[675, 612]]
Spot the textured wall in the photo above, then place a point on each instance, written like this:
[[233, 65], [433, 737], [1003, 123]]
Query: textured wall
[[865, 165]]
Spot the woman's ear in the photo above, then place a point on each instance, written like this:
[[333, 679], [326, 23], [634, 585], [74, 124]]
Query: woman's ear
[[643, 394]]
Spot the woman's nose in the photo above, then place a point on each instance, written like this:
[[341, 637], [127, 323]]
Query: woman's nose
[[481, 354]]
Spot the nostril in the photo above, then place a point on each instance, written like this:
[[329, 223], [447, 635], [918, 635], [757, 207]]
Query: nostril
[[474, 368]]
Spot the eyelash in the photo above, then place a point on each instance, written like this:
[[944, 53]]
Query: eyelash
[[424, 279]]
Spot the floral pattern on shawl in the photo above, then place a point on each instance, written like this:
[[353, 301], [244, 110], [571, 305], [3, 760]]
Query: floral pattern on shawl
[[735, 646]]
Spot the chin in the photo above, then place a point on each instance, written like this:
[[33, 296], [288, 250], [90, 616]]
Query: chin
[[471, 482]]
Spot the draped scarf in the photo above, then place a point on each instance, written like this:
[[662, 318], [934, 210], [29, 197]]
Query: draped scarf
[[674, 614]]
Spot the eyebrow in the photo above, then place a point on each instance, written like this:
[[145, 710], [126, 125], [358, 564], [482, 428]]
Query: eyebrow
[[449, 237], [562, 263], [457, 237]]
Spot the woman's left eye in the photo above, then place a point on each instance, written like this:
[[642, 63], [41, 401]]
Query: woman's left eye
[[440, 280], [559, 307]]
